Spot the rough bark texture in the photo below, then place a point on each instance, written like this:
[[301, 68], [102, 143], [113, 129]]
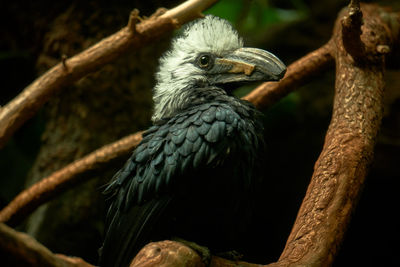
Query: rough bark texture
[[343, 164], [176, 254]]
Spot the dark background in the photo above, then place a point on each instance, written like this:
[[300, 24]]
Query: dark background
[[116, 100]]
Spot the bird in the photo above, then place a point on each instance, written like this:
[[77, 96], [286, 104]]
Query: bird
[[193, 174]]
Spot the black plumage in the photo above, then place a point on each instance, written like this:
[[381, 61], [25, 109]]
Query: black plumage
[[178, 171], [193, 174]]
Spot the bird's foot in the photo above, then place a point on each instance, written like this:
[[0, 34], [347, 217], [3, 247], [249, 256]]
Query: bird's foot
[[203, 252]]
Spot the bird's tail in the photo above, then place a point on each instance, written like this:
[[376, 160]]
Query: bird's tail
[[129, 231]]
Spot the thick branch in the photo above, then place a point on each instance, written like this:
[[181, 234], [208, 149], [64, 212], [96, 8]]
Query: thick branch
[[171, 253], [29, 252], [343, 164], [133, 36], [167, 253], [77, 172]]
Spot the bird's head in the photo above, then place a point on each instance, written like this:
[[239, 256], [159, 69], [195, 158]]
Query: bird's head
[[209, 52]]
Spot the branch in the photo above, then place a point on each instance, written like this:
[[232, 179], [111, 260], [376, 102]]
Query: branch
[[167, 253], [188, 10], [342, 166], [133, 36], [28, 252], [77, 172], [298, 73], [172, 253]]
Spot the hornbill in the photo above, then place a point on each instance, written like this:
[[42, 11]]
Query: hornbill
[[192, 176]]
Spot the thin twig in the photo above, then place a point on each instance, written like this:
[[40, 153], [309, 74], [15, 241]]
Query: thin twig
[[64, 61], [188, 10]]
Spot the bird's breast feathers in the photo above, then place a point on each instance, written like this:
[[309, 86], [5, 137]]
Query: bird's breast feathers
[[200, 137]]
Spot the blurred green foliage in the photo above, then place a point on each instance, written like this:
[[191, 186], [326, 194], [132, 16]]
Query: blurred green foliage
[[256, 15]]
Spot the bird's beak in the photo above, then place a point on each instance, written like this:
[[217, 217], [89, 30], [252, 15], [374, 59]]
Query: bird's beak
[[247, 65]]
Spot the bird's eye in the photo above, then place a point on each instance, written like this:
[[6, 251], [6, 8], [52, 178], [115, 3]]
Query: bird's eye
[[204, 61]]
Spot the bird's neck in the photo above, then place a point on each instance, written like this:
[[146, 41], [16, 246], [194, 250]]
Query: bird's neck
[[171, 103]]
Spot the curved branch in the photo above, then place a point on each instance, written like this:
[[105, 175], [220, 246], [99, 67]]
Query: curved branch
[[77, 172], [29, 252], [342, 166], [172, 253], [167, 253], [298, 73], [133, 36]]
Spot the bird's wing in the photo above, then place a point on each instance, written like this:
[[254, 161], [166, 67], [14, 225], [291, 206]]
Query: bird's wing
[[197, 138]]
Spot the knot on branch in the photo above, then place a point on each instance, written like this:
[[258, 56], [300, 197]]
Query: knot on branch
[[383, 49], [133, 20], [351, 31], [160, 11], [64, 61]]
